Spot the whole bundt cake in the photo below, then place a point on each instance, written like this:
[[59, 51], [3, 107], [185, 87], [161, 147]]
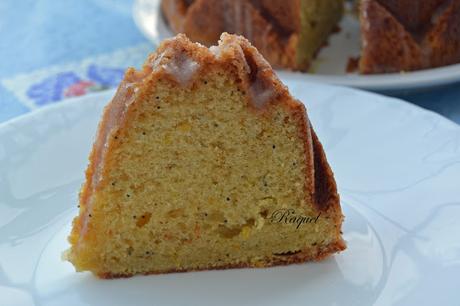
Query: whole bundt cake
[[397, 35]]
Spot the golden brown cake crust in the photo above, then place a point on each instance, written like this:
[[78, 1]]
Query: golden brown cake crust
[[172, 61], [409, 35]]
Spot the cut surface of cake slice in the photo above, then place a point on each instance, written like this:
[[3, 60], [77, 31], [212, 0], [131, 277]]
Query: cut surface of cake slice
[[287, 33], [203, 160]]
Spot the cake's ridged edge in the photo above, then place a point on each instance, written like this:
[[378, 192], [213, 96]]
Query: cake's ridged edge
[[387, 46], [326, 194], [446, 33]]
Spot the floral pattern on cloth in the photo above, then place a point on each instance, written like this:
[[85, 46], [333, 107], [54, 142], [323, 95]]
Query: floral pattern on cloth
[[56, 83], [69, 84]]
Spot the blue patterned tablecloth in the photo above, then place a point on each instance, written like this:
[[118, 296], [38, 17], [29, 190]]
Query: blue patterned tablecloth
[[51, 50]]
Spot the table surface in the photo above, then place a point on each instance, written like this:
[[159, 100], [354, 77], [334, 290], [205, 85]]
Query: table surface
[[52, 50]]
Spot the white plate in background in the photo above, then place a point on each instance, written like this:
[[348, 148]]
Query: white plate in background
[[329, 66], [398, 172]]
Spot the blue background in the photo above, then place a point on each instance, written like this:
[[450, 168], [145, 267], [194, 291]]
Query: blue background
[[35, 34]]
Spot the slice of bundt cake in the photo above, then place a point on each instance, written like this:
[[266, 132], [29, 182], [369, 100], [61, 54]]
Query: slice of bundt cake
[[203, 160], [287, 33]]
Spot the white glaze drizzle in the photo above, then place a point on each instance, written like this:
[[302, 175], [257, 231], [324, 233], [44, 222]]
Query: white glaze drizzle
[[215, 50], [260, 93], [182, 68], [156, 62]]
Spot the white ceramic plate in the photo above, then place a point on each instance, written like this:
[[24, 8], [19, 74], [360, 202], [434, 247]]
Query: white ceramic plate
[[330, 65], [398, 171]]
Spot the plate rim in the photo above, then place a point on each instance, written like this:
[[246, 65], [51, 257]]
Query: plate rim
[[412, 80], [51, 107], [99, 99]]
